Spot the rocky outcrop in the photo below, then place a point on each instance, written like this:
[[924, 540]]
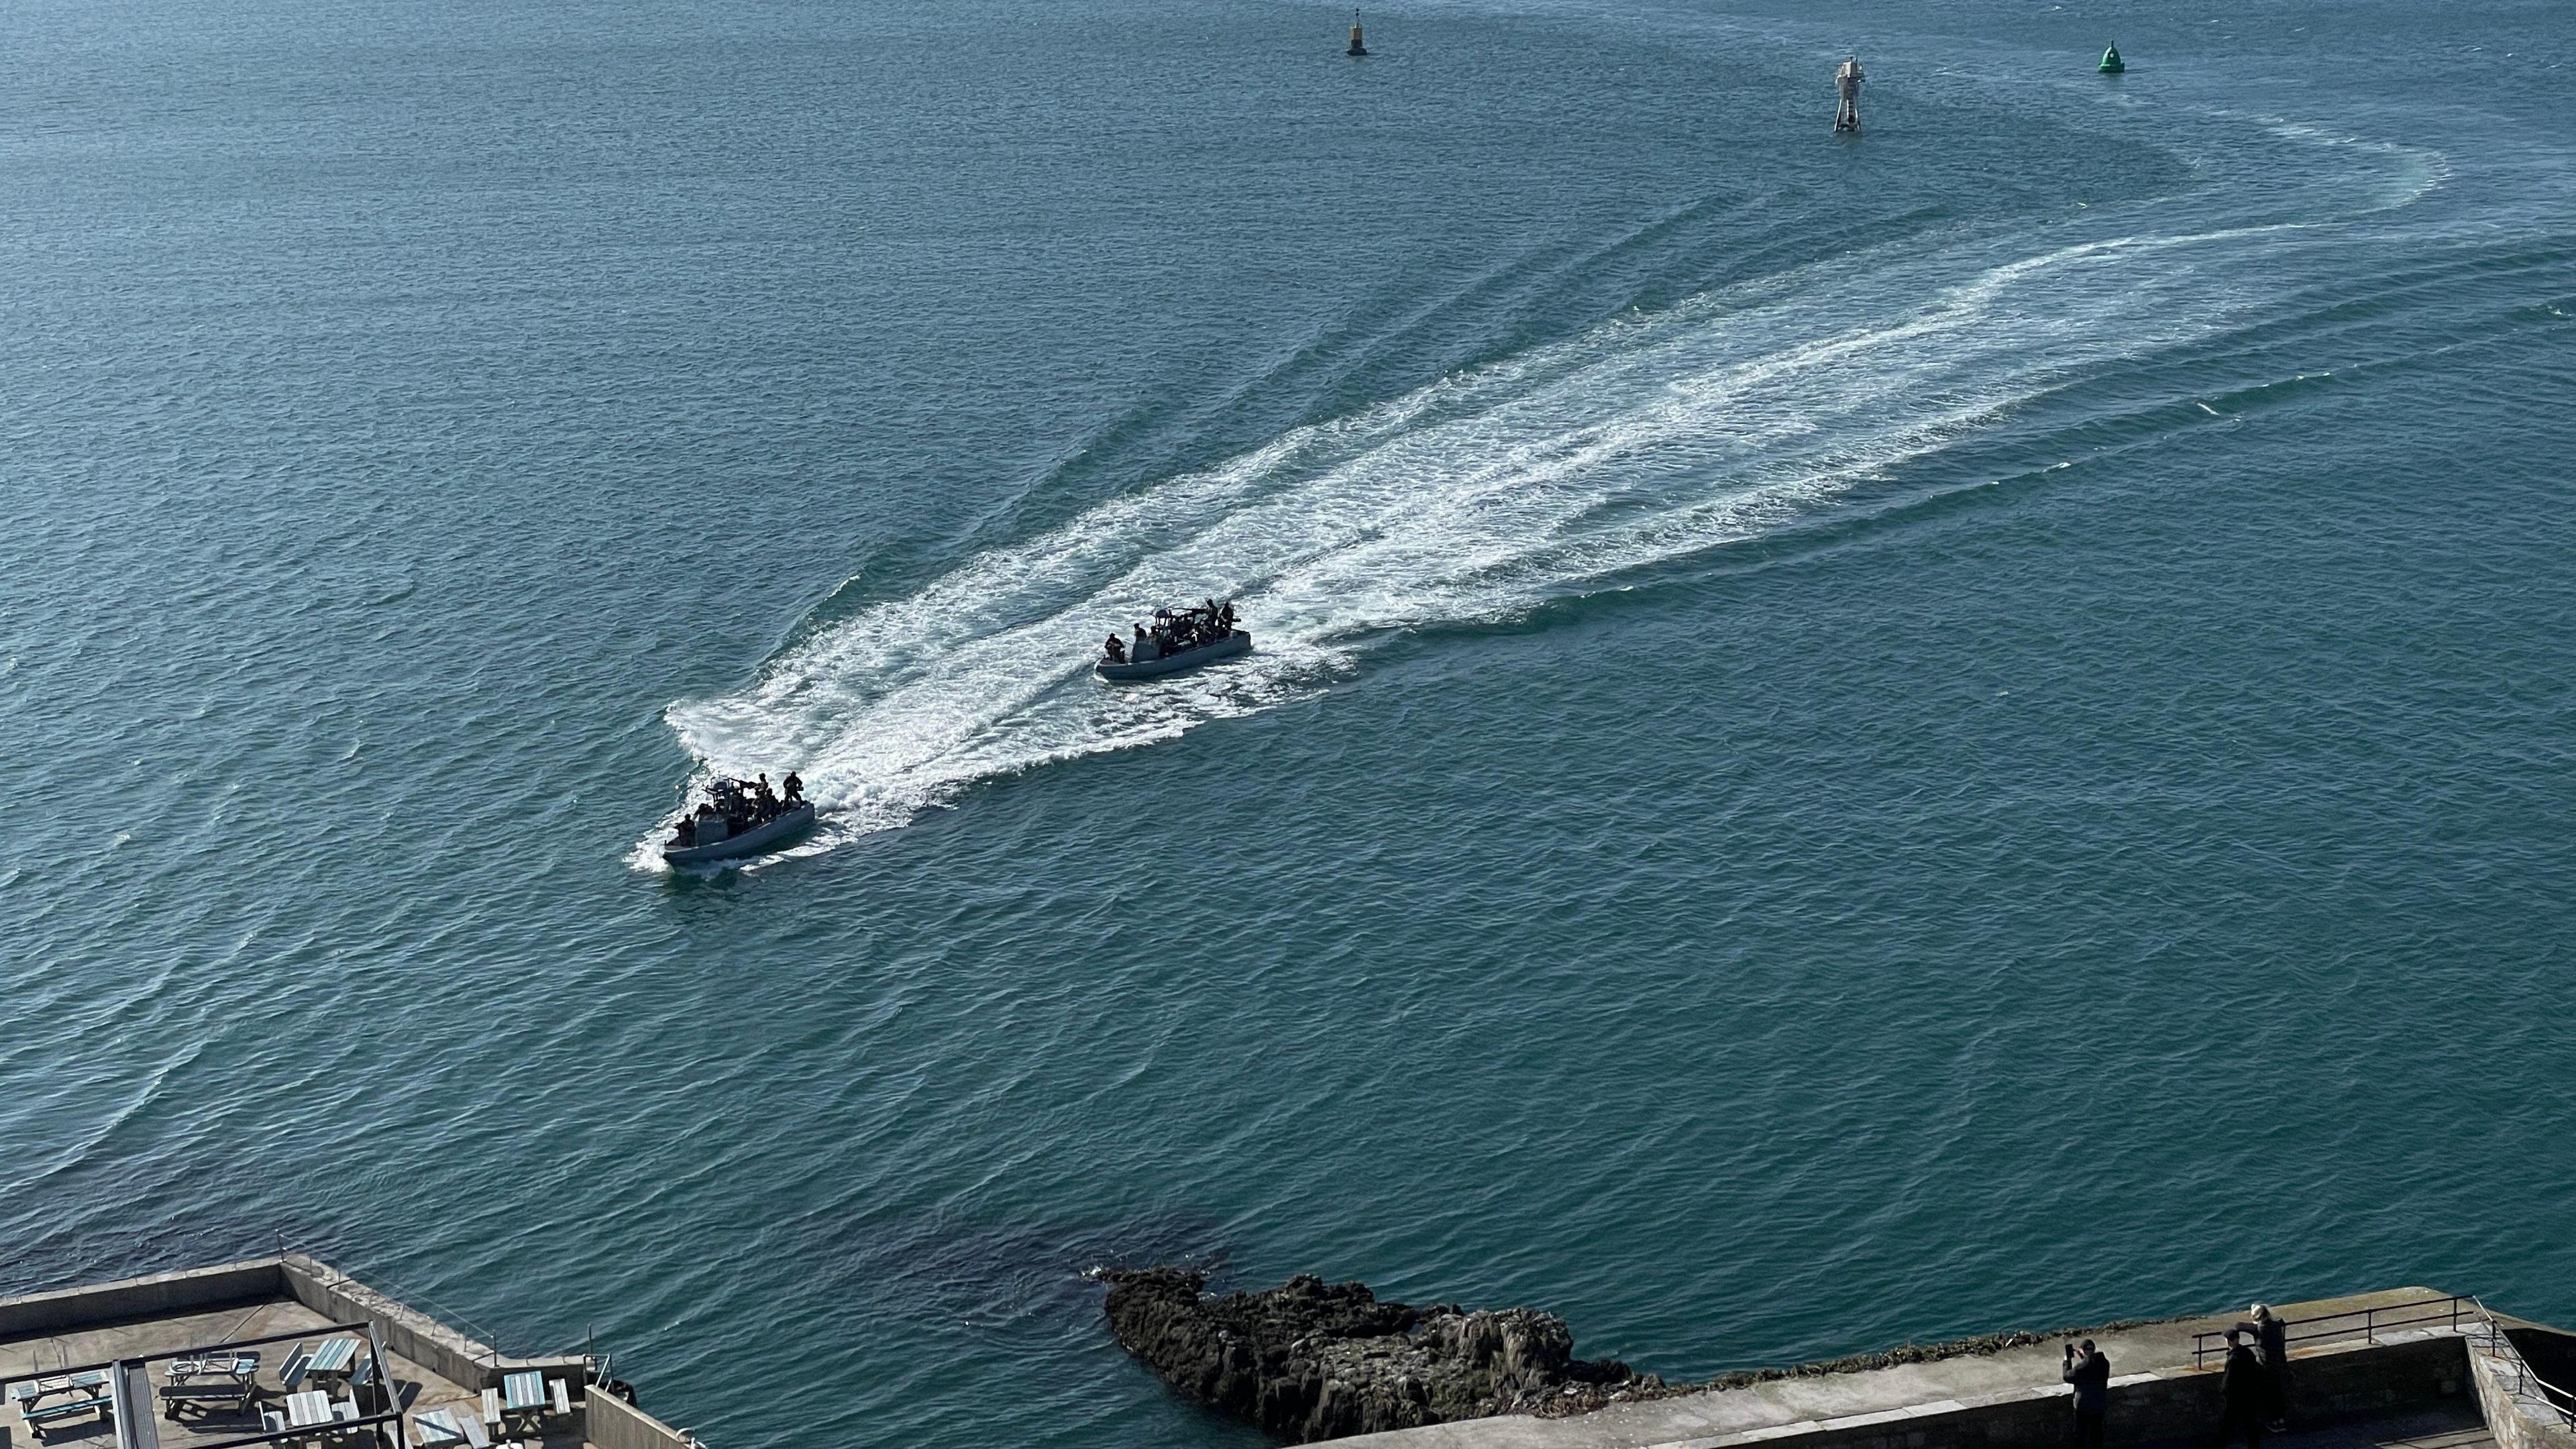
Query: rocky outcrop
[[1313, 1360]]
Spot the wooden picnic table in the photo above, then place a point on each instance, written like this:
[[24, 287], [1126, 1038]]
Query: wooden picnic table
[[456, 1424], [227, 1365], [91, 1386], [333, 1356], [207, 1380], [313, 1409], [523, 1401], [27, 1391]]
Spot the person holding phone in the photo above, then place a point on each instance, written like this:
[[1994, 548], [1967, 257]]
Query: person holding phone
[[2089, 1371]]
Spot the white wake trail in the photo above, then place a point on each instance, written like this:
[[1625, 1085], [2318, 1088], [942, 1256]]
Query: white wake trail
[[1484, 494]]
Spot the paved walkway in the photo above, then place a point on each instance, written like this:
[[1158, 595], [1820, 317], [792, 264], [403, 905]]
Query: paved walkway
[[1786, 1407], [2451, 1426]]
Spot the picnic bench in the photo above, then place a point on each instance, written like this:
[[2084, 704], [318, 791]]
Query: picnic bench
[[451, 1426], [239, 1364], [290, 1374], [309, 1409], [233, 1393], [312, 1409], [26, 1390], [524, 1397], [103, 1405], [520, 1405], [331, 1358], [226, 1378], [87, 1394]]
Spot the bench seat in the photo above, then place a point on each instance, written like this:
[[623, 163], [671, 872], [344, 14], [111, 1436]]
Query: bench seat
[[46, 1413]]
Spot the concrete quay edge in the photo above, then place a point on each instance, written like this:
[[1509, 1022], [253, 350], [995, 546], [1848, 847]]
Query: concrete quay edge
[[2011, 1396], [1844, 1407]]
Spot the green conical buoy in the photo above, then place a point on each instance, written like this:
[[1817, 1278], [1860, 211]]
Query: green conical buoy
[[2111, 61]]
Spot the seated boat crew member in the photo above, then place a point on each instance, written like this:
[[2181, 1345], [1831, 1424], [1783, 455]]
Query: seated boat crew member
[[1116, 651], [686, 834]]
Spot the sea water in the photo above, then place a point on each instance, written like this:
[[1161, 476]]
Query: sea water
[[1851, 740]]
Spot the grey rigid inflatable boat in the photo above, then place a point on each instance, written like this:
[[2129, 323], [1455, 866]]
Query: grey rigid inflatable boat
[[1238, 642], [769, 834]]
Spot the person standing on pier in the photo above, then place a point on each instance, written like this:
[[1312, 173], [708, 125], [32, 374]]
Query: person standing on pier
[[2248, 1394], [2272, 1346], [2090, 1372]]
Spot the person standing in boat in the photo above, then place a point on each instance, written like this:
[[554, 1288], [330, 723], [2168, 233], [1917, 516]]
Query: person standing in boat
[[794, 786]]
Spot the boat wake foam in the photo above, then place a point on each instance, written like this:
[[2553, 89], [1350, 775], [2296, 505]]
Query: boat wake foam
[[1483, 495]]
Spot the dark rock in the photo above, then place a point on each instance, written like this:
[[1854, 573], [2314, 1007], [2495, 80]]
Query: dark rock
[[1312, 1360]]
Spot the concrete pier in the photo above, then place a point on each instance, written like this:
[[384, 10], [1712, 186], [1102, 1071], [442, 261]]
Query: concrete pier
[[139, 1325], [2423, 1384]]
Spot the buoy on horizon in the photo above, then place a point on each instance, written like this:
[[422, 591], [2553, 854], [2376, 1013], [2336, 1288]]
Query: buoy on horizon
[[1847, 84], [1356, 47], [2111, 62]]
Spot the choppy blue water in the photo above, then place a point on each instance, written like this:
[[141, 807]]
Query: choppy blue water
[[1851, 740]]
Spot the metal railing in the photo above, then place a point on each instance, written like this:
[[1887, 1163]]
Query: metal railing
[[489, 1343], [2526, 1384], [2560, 1402], [2366, 1323]]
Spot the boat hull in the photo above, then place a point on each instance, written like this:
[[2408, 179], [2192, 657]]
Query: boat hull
[[1238, 642], [767, 835]]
